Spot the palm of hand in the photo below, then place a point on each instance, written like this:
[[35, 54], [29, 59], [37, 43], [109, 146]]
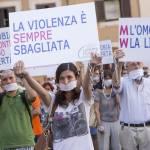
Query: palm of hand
[[95, 59], [19, 68]]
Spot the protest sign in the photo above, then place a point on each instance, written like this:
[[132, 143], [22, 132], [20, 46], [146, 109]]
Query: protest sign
[[134, 38], [44, 70], [106, 52], [5, 59], [53, 35], [102, 48]]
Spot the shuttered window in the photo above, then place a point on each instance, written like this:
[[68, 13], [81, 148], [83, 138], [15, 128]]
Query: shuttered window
[[4, 16], [42, 6], [108, 10]]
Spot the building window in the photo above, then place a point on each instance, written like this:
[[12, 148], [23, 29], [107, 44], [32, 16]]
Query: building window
[[4, 16], [42, 6], [108, 10]]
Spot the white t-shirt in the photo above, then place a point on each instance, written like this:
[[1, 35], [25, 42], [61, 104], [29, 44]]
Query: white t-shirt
[[71, 126]]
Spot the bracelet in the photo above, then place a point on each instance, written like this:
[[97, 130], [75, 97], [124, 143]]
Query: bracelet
[[21, 76]]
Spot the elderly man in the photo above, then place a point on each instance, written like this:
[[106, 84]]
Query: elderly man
[[135, 109], [15, 126]]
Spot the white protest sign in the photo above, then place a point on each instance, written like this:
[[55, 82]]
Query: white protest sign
[[86, 50], [134, 38], [106, 52], [102, 48], [5, 59], [44, 70], [53, 35]]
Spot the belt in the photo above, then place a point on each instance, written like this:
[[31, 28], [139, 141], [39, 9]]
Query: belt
[[136, 125]]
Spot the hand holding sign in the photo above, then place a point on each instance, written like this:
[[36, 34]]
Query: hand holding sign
[[95, 59], [118, 53], [80, 65], [19, 69]]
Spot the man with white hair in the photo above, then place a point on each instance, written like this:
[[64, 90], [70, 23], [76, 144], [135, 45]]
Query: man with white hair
[[15, 126], [135, 109]]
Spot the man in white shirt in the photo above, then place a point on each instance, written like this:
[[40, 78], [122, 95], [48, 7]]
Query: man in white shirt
[[135, 109]]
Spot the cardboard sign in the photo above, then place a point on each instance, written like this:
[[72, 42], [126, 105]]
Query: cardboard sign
[[5, 59], [53, 35], [134, 38]]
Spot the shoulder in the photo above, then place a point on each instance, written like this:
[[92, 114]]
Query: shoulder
[[1, 97], [98, 92], [146, 79], [25, 98], [97, 95], [125, 79], [2, 93], [83, 98], [53, 95]]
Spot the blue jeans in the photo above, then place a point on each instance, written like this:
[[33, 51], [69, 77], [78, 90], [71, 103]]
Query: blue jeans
[[93, 130]]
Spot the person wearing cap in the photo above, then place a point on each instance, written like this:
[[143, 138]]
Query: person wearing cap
[[15, 126], [135, 109]]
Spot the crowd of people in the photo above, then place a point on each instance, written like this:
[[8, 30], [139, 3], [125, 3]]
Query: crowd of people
[[106, 107]]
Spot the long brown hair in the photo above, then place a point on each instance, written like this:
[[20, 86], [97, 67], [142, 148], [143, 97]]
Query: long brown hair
[[60, 98]]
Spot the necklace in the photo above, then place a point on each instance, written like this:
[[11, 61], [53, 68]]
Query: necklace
[[107, 95]]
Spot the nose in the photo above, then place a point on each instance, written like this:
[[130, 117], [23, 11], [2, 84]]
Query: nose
[[65, 81]]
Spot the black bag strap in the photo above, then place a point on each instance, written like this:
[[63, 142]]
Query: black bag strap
[[52, 109], [24, 100], [1, 97]]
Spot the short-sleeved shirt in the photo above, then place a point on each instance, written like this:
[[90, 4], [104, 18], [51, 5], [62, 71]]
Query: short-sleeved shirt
[[15, 125], [71, 126], [109, 111]]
